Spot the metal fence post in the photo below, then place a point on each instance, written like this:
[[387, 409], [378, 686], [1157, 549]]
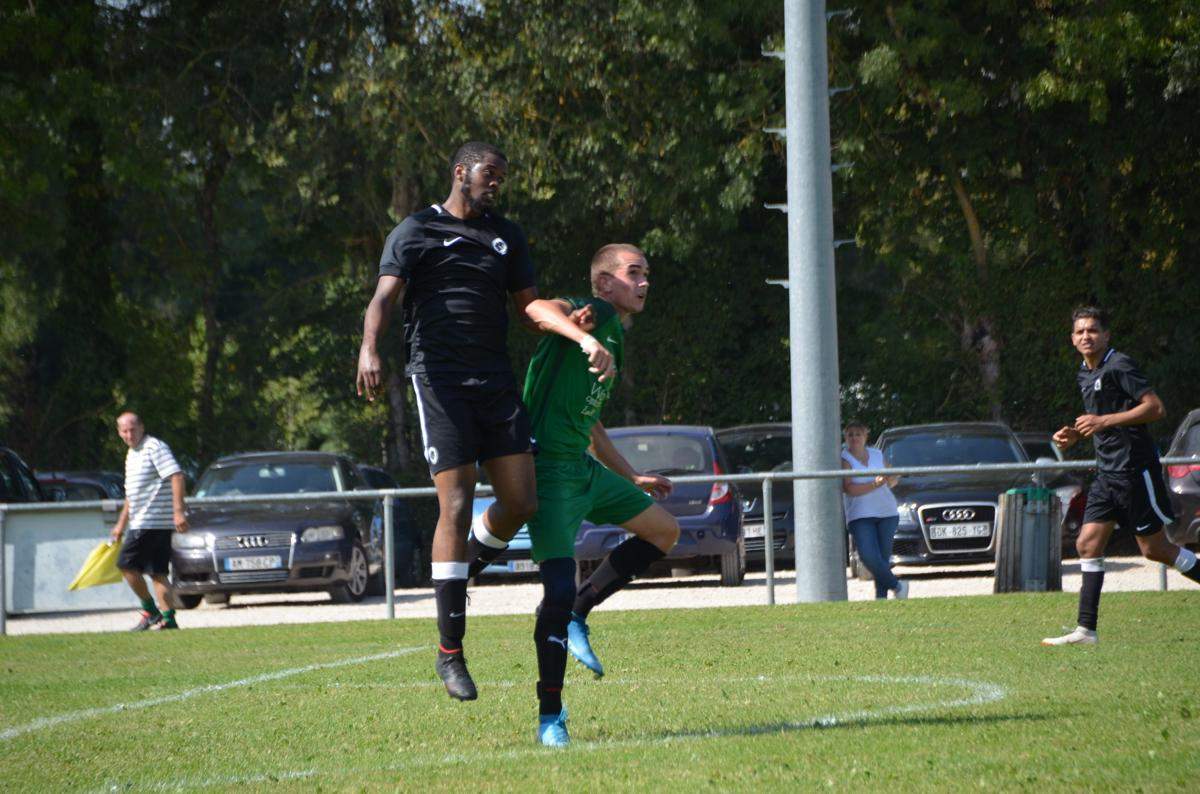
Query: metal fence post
[[389, 557], [3, 586], [769, 538]]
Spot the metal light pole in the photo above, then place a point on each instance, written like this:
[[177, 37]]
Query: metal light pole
[[820, 537]]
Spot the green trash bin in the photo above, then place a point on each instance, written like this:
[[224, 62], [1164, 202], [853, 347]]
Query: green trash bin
[[1028, 541]]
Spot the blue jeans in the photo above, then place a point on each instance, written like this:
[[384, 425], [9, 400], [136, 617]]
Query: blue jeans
[[873, 539]]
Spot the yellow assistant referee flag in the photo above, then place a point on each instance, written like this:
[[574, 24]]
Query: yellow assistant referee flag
[[100, 568]]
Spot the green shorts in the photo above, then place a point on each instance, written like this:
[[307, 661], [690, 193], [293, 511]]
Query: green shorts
[[570, 491]]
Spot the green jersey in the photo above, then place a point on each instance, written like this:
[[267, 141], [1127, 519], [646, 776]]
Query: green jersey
[[563, 398]]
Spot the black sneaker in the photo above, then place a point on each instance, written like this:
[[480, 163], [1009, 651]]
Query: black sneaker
[[452, 669], [148, 621], [165, 625]]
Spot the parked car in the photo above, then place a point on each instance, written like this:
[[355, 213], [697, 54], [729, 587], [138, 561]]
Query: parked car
[[17, 483], [81, 486], [758, 448], [334, 545], [1068, 485], [950, 518], [709, 515], [408, 548], [1183, 482]]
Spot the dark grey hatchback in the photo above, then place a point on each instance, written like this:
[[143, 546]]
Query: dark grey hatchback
[[334, 545]]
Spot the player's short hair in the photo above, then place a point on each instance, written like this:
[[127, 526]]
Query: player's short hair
[[608, 259], [133, 414], [1090, 313], [472, 153], [855, 424]]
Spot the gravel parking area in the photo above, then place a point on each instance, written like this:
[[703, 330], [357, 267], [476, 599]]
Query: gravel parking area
[[502, 597]]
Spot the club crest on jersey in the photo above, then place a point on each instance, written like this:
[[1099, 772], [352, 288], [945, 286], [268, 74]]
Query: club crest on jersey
[[1096, 386], [500, 246]]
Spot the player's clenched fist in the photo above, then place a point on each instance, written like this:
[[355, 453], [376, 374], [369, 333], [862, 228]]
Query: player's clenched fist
[[600, 361]]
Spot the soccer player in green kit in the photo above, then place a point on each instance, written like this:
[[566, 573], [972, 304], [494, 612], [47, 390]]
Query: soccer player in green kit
[[567, 384]]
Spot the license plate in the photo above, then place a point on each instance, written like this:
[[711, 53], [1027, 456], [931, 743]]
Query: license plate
[[755, 530], [952, 531], [522, 566], [253, 563]]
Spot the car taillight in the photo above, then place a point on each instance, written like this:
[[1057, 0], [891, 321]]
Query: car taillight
[[721, 492], [1176, 472]]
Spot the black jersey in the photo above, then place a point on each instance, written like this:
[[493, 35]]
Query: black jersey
[[1114, 386], [458, 274]]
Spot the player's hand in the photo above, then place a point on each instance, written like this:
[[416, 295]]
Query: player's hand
[[654, 484], [181, 522], [115, 535], [1089, 424], [584, 317], [600, 361], [1065, 437], [370, 371]]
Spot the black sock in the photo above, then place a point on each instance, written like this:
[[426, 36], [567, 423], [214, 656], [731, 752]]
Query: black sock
[[550, 631], [451, 597], [619, 568], [480, 555], [1089, 598]]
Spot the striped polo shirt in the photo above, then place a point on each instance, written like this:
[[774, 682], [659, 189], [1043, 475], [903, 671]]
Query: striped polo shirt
[[147, 469]]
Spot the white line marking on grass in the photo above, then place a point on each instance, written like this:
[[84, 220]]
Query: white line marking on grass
[[84, 714], [979, 693]]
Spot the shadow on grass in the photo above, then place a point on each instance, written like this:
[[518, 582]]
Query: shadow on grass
[[833, 722]]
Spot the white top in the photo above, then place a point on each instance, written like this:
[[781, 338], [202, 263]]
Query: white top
[[147, 469], [879, 503]]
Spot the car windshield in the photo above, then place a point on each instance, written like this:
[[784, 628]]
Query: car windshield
[[749, 452], [1039, 449], [1189, 443], [664, 454], [269, 478], [950, 448]]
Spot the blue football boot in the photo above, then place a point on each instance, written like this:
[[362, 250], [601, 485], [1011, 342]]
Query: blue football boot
[[552, 729], [580, 647]]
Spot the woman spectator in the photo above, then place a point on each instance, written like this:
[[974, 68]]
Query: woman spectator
[[871, 514]]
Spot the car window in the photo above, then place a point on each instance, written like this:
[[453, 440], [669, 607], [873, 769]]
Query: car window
[[9, 490], [758, 451], [27, 482], [268, 478], [663, 454], [351, 477], [1190, 443], [1039, 449], [942, 449], [76, 492]]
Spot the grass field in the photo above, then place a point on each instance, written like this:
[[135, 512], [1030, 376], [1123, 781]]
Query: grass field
[[923, 694]]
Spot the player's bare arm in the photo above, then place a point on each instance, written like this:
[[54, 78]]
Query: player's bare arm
[[119, 528], [379, 312], [584, 318], [1149, 409], [178, 489], [554, 316], [606, 452]]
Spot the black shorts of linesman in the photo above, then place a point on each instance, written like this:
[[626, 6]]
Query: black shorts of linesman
[[1128, 490], [454, 266]]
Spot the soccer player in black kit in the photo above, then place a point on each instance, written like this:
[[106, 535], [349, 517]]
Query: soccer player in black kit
[[453, 266], [1128, 489]]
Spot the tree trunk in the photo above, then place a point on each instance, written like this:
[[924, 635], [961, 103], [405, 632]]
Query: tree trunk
[[214, 334]]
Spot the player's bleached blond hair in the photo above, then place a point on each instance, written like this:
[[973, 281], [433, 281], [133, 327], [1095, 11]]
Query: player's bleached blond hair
[[608, 259]]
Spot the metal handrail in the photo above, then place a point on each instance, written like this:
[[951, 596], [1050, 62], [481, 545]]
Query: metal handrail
[[390, 494]]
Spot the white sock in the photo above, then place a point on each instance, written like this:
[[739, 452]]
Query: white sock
[[449, 570], [1185, 561], [483, 536], [1092, 564]]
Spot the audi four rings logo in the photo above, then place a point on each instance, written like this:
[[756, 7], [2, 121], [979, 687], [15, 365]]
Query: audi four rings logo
[[958, 514], [252, 541]]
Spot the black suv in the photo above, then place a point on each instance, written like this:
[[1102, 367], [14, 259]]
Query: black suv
[[947, 518], [17, 483], [334, 545]]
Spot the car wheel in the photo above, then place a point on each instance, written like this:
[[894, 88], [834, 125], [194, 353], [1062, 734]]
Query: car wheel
[[733, 565], [857, 569], [354, 589], [189, 601]]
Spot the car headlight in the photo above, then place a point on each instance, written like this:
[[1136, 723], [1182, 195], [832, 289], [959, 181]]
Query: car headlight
[[908, 512], [317, 534], [191, 540]]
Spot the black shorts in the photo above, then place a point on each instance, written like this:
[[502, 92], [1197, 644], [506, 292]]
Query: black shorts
[[146, 551], [471, 422], [1136, 500]]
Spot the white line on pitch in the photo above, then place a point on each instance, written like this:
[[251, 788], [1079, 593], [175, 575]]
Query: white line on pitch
[[119, 708]]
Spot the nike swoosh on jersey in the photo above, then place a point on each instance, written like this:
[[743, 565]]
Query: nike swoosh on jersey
[[1139, 529], [450, 242]]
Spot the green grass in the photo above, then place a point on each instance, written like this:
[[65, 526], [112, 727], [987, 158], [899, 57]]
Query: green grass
[[713, 699]]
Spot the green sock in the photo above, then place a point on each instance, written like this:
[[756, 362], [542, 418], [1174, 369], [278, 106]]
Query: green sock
[[168, 616], [149, 606]]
